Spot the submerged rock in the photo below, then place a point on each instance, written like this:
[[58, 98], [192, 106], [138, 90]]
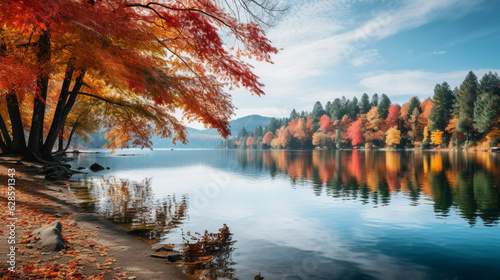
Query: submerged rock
[[49, 238], [96, 167]]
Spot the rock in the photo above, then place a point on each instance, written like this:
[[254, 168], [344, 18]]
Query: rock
[[49, 238], [96, 167], [174, 257], [57, 173], [161, 248], [81, 167], [159, 256]]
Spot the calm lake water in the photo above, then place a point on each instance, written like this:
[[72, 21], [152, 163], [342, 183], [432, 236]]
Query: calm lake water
[[313, 214]]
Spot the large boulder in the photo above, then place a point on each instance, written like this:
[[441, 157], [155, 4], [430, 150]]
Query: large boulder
[[96, 167], [49, 238], [57, 173]]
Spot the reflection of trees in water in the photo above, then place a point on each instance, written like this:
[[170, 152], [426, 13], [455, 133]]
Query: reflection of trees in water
[[209, 256], [463, 181], [132, 204]]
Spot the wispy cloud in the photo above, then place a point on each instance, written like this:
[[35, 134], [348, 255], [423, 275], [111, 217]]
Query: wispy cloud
[[438, 52], [315, 40], [413, 82]]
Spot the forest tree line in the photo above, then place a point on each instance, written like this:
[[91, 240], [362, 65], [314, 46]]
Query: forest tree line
[[467, 116]]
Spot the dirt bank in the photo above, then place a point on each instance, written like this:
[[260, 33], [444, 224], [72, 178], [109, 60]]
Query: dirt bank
[[95, 248]]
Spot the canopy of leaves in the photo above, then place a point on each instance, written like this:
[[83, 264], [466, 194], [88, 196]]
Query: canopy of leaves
[[140, 60]]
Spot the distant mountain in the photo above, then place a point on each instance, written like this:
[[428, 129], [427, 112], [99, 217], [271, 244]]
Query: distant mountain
[[198, 138], [249, 123]]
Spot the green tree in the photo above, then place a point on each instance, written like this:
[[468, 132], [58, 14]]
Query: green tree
[[352, 108], [442, 108], [375, 100], [243, 133], [317, 111], [273, 125], [336, 110], [464, 104], [487, 105], [365, 105], [383, 106], [293, 114], [414, 103]]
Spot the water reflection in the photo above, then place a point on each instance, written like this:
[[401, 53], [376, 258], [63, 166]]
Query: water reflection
[[460, 180], [314, 214], [133, 204], [209, 256]]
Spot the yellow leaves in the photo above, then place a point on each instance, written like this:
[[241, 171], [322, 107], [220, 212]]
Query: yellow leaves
[[393, 136], [437, 137]]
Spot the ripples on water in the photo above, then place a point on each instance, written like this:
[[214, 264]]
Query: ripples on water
[[313, 214]]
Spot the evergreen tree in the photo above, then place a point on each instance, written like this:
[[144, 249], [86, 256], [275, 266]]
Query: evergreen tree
[[328, 106], [414, 103], [243, 133], [352, 108], [317, 111], [443, 106], [273, 125], [383, 106], [464, 104], [365, 105], [259, 132], [375, 100], [336, 110], [294, 114], [487, 105]]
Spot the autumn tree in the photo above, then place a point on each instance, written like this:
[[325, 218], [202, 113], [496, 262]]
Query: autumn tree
[[354, 132], [249, 141], [393, 137], [437, 137], [268, 138], [393, 116], [144, 60]]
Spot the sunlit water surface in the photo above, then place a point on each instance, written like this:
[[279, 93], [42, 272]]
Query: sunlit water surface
[[313, 214]]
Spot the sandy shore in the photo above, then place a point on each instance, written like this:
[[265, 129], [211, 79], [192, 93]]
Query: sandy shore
[[95, 248]]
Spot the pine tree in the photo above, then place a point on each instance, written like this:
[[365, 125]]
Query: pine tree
[[464, 104], [317, 111], [375, 100], [443, 105], [352, 108], [365, 105], [414, 103], [243, 133], [487, 105], [383, 106], [336, 110], [293, 114]]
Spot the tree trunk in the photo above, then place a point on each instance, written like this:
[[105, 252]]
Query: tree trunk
[[61, 139], [18, 141], [5, 141], [58, 121], [36, 133]]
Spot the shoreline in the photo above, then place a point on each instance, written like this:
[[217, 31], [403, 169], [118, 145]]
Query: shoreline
[[95, 247]]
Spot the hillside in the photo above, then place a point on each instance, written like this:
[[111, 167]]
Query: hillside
[[198, 138]]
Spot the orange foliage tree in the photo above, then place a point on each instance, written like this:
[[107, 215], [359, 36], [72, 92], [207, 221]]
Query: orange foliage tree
[[140, 60]]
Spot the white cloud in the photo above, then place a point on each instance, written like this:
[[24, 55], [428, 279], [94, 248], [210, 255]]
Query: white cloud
[[317, 37], [365, 57], [438, 52], [413, 82]]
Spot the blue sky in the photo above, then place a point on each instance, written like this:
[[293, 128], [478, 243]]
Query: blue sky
[[402, 48]]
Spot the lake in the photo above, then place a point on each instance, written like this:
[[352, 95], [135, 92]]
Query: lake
[[310, 214]]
